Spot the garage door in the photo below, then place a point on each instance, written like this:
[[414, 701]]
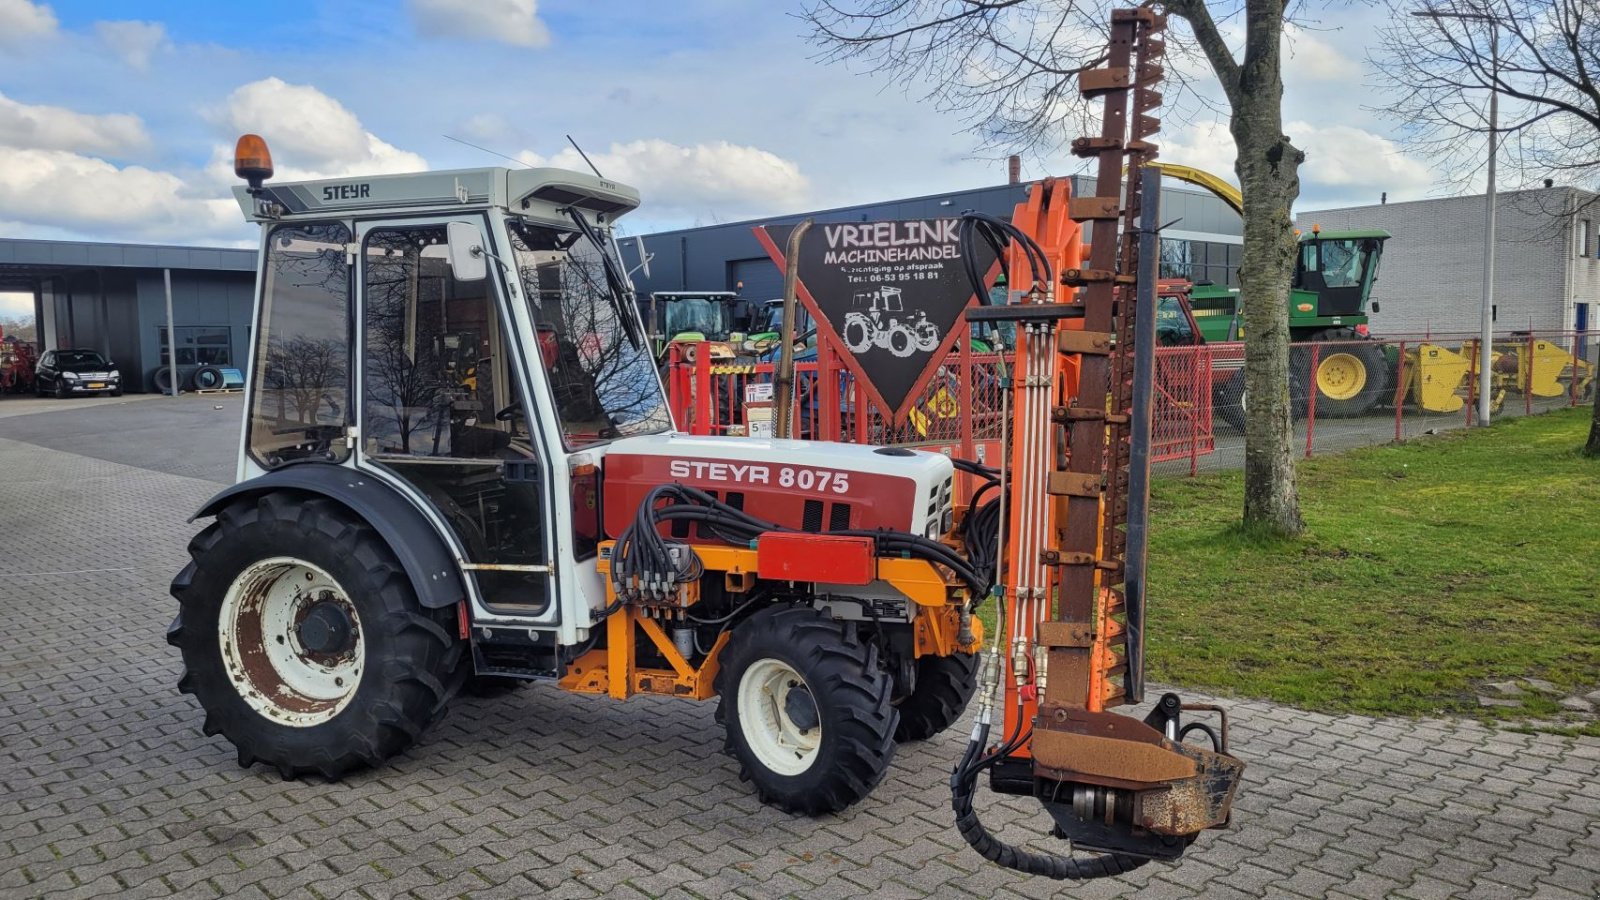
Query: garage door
[[759, 276]]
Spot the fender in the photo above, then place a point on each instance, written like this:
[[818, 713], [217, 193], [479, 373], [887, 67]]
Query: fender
[[426, 558]]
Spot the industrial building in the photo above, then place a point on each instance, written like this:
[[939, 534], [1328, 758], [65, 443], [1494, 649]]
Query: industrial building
[[112, 298], [1202, 243], [1547, 261]]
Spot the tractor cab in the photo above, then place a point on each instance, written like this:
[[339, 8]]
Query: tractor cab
[[1334, 274], [467, 339]]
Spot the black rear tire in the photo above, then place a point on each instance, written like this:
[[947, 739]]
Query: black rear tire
[[1228, 401], [944, 686], [849, 695], [208, 378], [412, 658]]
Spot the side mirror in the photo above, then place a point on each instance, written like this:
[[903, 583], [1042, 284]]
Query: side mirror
[[1374, 306], [468, 259]]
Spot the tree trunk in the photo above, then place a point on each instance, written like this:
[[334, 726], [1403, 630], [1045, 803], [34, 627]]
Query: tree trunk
[[1592, 447], [1268, 168]]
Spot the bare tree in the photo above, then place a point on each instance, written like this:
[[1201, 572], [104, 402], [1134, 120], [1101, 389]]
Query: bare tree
[[1011, 66], [1540, 57]]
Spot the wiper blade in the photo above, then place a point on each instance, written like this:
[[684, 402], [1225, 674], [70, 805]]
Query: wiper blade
[[621, 290]]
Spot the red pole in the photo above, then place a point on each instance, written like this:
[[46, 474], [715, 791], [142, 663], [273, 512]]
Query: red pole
[[1472, 382], [966, 401], [1201, 391], [1399, 392], [826, 387], [701, 422], [1527, 388], [1311, 402], [1572, 383], [676, 400]]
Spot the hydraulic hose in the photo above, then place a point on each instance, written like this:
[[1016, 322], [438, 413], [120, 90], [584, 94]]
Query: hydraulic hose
[[963, 787]]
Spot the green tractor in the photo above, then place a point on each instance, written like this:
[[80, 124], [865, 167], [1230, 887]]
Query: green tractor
[[1329, 300], [719, 318]]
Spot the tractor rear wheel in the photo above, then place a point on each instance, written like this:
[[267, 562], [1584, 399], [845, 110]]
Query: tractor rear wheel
[[304, 641], [944, 685], [1229, 400], [1351, 376], [807, 709]]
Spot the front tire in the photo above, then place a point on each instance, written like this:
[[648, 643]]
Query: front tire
[[944, 686], [807, 710], [304, 641]]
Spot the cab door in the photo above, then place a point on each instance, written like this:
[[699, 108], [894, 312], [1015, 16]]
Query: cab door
[[440, 401]]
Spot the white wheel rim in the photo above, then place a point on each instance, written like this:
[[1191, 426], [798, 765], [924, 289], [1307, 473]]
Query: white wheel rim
[[776, 740], [259, 628]]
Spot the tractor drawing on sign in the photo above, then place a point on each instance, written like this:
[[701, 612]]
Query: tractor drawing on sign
[[880, 325]]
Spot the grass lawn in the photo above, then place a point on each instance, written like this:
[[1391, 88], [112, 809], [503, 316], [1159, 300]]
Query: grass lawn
[[1428, 568]]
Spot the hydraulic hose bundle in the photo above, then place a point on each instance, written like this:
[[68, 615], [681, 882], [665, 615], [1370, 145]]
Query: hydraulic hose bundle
[[646, 566], [998, 234]]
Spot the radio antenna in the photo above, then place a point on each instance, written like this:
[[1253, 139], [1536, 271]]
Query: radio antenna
[[585, 156], [488, 151]]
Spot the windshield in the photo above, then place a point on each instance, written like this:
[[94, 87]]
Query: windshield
[[601, 375], [708, 317], [80, 358], [1342, 262]]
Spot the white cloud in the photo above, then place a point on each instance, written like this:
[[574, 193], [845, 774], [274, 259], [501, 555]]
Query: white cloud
[[33, 127], [1311, 57], [1343, 162], [1204, 145], [58, 189], [134, 42], [507, 21], [22, 21], [718, 177], [1343, 156], [311, 134]]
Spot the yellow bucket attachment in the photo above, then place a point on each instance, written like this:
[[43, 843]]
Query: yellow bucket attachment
[[1437, 379], [1548, 369], [1433, 376]]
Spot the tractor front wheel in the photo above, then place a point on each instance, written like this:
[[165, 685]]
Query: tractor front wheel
[[304, 641], [807, 710]]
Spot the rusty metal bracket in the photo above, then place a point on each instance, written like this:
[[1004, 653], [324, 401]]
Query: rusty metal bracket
[[1090, 208], [1086, 147], [1065, 558], [1098, 343], [1066, 634], [1075, 484], [1096, 82], [1066, 415]]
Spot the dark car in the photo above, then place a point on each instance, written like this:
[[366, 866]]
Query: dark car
[[68, 372]]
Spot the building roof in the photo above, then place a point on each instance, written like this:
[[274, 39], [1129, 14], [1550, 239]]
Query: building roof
[[69, 254]]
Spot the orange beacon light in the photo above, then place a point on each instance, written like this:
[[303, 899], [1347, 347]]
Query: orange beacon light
[[252, 161]]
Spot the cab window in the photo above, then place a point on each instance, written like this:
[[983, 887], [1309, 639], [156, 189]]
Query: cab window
[[602, 378], [1172, 326], [299, 404]]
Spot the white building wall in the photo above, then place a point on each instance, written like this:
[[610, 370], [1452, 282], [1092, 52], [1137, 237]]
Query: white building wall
[[1432, 274]]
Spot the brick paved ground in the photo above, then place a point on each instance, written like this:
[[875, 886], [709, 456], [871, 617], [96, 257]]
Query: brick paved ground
[[107, 786]]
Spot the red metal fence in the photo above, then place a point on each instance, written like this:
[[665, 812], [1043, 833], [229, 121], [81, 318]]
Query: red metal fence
[[1368, 392]]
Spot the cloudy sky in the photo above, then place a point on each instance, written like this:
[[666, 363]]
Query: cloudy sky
[[117, 118]]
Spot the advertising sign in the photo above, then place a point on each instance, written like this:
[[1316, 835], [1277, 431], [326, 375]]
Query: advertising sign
[[888, 296]]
